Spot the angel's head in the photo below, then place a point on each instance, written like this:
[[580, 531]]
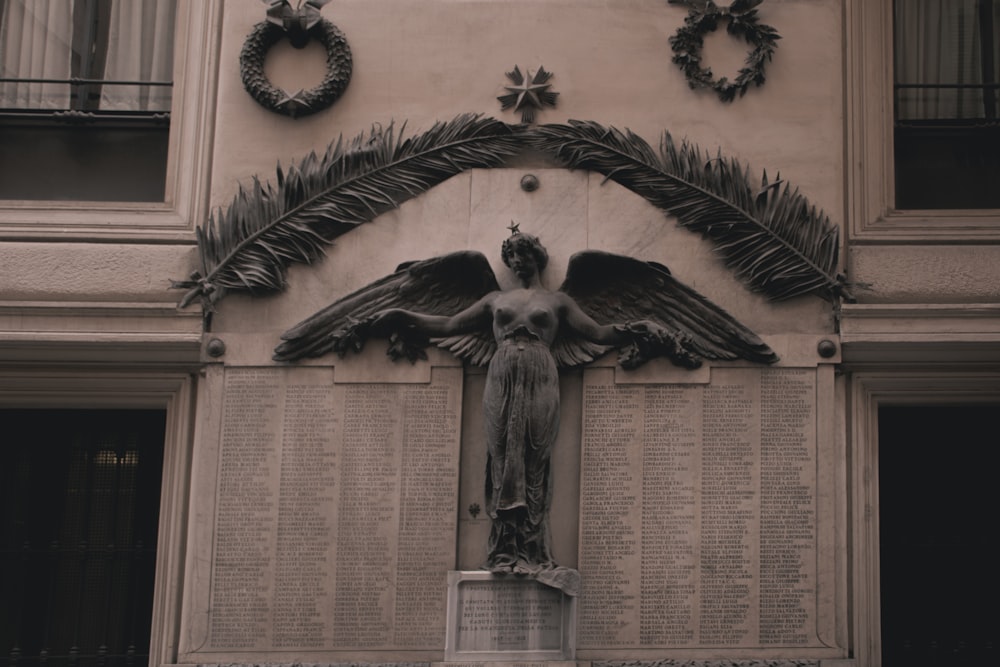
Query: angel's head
[[519, 243]]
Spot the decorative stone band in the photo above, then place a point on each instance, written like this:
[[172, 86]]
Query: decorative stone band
[[705, 663], [595, 663], [316, 664]]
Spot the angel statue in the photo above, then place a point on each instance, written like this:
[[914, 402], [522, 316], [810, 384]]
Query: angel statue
[[525, 335]]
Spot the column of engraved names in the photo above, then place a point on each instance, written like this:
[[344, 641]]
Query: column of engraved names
[[788, 513], [608, 517], [427, 515], [728, 514], [366, 523], [671, 433], [305, 538], [245, 513]]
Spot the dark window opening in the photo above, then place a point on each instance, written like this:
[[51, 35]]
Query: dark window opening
[[85, 95], [938, 535], [80, 515], [947, 95]]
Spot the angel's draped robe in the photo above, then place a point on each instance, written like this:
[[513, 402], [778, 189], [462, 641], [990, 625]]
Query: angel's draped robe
[[521, 419]]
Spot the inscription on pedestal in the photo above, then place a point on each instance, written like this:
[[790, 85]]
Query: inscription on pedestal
[[507, 618], [512, 616], [698, 511], [324, 493]]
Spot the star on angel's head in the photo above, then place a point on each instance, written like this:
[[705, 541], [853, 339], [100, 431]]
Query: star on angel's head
[[528, 93], [514, 227]]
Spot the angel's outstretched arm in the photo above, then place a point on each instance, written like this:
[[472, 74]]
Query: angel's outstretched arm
[[477, 316], [638, 341], [584, 325]]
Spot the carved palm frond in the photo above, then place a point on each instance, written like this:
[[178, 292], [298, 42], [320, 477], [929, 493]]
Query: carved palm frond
[[769, 235], [267, 227]]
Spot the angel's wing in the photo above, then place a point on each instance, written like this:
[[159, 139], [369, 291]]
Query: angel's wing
[[618, 289], [441, 285]]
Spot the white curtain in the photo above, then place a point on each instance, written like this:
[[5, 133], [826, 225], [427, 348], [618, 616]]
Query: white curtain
[[140, 48], [36, 41], [938, 41]]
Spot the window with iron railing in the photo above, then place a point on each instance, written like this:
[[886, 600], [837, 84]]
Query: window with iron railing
[[947, 132], [85, 96], [79, 519]]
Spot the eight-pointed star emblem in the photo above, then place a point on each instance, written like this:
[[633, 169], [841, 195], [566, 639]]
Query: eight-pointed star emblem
[[528, 93]]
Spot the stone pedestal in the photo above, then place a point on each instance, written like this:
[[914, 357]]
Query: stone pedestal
[[507, 618]]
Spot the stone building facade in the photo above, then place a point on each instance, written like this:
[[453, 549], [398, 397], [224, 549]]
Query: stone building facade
[[896, 408]]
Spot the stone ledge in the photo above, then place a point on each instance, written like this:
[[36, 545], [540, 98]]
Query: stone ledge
[[837, 662]]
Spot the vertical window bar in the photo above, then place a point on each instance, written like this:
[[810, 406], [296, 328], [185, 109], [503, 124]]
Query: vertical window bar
[[91, 20], [986, 31], [17, 492], [104, 531], [132, 556], [54, 559], [84, 486]]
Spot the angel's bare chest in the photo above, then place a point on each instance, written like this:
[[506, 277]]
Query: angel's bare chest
[[534, 310]]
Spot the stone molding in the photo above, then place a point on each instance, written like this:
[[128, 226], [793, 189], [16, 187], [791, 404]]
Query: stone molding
[[108, 333], [885, 334], [595, 663], [705, 663], [314, 664]]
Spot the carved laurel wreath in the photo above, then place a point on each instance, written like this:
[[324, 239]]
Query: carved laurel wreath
[[338, 69], [767, 232], [703, 19]]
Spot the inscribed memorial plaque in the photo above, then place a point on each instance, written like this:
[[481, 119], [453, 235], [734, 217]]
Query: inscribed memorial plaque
[[698, 511], [507, 618], [325, 491]]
